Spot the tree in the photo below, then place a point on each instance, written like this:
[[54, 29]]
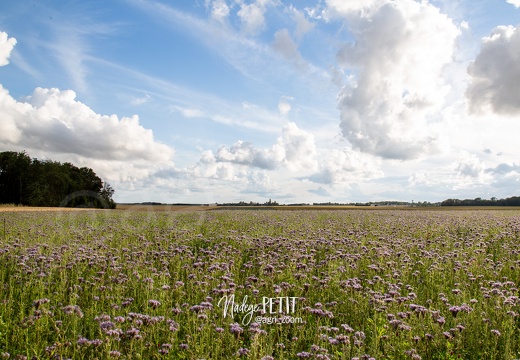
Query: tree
[[14, 170], [106, 193], [33, 182]]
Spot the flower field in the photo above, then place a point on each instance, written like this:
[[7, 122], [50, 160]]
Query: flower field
[[382, 284]]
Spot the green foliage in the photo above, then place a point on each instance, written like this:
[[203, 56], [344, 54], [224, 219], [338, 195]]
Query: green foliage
[[510, 201], [32, 182]]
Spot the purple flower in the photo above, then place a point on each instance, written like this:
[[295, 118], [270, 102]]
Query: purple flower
[[235, 328], [243, 351], [37, 303], [304, 355], [154, 304]]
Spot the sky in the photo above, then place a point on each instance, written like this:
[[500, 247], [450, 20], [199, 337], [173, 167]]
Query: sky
[[212, 101]]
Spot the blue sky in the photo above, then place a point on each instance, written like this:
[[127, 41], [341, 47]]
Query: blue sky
[[228, 100]]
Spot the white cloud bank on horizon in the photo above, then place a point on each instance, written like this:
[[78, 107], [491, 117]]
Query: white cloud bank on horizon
[[397, 84]]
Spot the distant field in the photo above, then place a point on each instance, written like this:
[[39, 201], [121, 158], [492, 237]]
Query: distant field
[[127, 207]]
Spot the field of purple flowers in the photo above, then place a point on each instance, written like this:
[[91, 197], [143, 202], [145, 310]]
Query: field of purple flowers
[[385, 284]]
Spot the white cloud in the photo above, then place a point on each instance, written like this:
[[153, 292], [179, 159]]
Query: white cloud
[[397, 59], [219, 10], [246, 154], [495, 73], [470, 166], [346, 166], [295, 149], [300, 148], [141, 100], [515, 3], [253, 15], [6, 46], [303, 25], [357, 7], [52, 123], [284, 44], [284, 107], [188, 112]]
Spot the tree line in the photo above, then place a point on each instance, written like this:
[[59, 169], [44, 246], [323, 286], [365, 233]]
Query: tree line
[[510, 201], [34, 182]]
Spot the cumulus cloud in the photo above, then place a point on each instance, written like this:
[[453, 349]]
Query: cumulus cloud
[[495, 73], [53, 123], [515, 3], [300, 148], [219, 10], [54, 120], [397, 59], [345, 166], [6, 46], [295, 149], [252, 15], [246, 154]]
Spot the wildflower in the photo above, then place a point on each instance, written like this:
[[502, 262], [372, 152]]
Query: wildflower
[[37, 303], [114, 354], [133, 333], [496, 332], [154, 304], [183, 346], [454, 310], [96, 342], [72, 309], [176, 311], [235, 328], [304, 355], [347, 328], [243, 351], [82, 341]]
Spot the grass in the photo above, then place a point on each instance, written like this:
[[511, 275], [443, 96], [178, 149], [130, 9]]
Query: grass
[[385, 284]]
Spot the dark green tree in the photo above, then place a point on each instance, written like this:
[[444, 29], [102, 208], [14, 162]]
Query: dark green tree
[[33, 182]]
